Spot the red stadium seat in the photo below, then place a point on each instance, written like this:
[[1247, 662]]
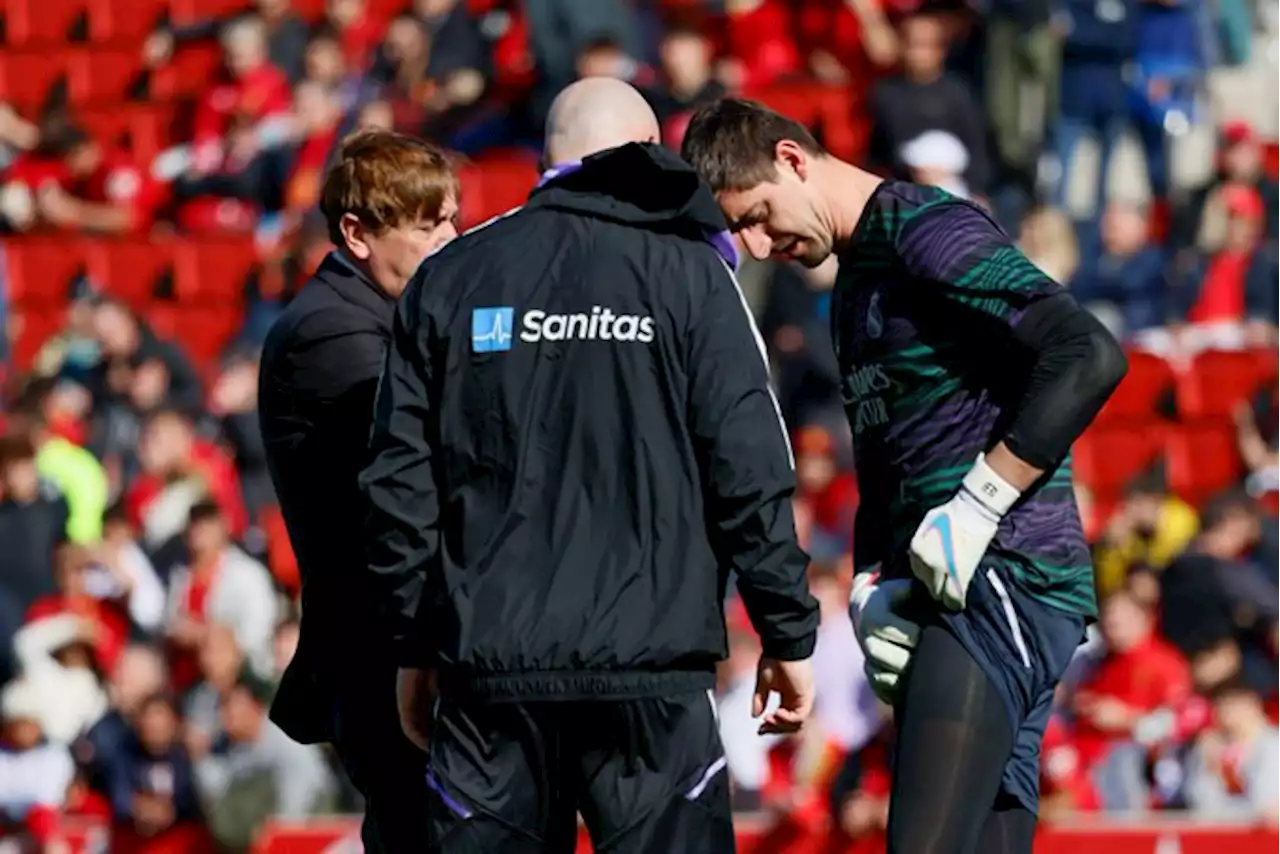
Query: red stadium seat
[[195, 11], [130, 270], [800, 100], [103, 75], [496, 183], [1271, 159], [204, 332], [1216, 382], [40, 270], [1149, 378], [40, 22], [1107, 459], [1202, 459], [109, 126], [26, 78], [124, 21], [188, 74], [213, 270]]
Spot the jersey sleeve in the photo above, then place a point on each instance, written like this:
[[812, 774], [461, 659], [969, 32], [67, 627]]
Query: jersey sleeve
[[974, 263]]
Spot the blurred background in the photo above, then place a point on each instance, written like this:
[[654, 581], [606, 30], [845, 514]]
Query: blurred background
[[159, 168]]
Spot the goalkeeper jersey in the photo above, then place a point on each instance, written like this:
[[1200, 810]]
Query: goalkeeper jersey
[[926, 300]]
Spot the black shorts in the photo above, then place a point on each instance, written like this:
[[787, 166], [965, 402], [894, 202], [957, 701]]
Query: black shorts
[[648, 777]]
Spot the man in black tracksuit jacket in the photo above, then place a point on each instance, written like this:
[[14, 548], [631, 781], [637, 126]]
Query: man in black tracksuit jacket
[[574, 445]]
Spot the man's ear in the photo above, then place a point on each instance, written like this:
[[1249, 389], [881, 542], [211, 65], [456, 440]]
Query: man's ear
[[788, 155], [355, 235]]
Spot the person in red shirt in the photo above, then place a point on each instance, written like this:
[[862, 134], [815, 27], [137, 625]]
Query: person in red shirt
[[73, 183], [1233, 293], [847, 41], [86, 590], [830, 495], [1140, 675], [318, 115], [178, 471], [761, 39]]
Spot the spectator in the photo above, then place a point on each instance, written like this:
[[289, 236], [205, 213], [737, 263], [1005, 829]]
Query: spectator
[[153, 795], [1228, 299], [1201, 222], [234, 400], [847, 41], [285, 645], [1234, 768], [1124, 284], [1149, 528], [126, 341], [1101, 38], [1138, 675], [326, 65], [56, 657], [33, 521], [925, 97], [263, 772], [35, 774], [139, 673], [1048, 239], [687, 72], [128, 575], [178, 471], [286, 37], [459, 54], [1024, 61], [558, 32], [939, 159], [831, 495], [1211, 593], [1256, 437], [220, 584], [317, 116], [74, 471], [221, 663], [75, 185], [762, 42], [89, 592], [358, 31], [860, 796]]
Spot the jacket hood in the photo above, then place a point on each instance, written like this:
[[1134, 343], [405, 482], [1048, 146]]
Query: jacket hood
[[640, 184]]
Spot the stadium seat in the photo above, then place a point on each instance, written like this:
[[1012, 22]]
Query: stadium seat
[[800, 100], [1216, 382], [1140, 393], [1108, 458], [1202, 459], [195, 11], [124, 21], [188, 74], [205, 331], [1271, 159], [496, 183], [213, 270], [26, 78], [40, 22], [110, 126], [103, 75], [40, 270], [133, 271]]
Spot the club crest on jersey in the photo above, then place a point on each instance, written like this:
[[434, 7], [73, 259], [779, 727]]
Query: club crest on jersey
[[875, 320]]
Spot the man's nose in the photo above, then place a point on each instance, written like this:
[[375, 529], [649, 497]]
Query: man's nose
[[758, 243]]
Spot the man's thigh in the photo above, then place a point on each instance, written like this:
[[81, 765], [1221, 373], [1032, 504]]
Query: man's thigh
[[495, 781], [387, 769], [1023, 646], [653, 776]]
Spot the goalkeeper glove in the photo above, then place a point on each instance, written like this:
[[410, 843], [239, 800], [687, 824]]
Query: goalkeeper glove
[[886, 637], [953, 537]]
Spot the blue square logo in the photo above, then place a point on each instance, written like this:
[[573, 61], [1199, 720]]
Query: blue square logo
[[491, 329]]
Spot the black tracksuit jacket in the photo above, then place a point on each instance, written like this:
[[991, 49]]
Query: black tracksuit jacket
[[575, 444]]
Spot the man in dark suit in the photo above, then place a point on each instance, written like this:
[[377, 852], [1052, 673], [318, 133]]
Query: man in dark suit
[[388, 201]]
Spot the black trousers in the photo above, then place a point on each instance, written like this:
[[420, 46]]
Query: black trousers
[[387, 769], [648, 777]]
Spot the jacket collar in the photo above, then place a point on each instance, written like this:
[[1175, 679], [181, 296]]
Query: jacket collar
[[342, 276], [640, 184]]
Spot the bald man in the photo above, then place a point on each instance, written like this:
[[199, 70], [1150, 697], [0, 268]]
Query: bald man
[[574, 445]]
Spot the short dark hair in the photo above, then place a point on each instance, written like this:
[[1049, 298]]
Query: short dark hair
[[16, 448], [731, 143], [204, 510], [1226, 506]]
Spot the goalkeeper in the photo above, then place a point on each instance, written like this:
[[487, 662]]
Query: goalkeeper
[[966, 374]]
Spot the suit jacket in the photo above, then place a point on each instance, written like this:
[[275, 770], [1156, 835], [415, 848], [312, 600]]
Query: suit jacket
[[320, 368]]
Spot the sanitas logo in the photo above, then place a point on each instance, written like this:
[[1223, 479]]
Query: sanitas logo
[[600, 325]]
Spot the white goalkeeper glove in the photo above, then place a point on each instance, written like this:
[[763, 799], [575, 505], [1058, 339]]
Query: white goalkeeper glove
[[953, 537], [886, 637]]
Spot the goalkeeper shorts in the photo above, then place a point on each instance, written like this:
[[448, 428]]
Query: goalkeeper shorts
[[1024, 646]]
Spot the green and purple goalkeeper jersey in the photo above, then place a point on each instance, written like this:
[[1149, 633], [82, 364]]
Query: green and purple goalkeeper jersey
[[925, 305]]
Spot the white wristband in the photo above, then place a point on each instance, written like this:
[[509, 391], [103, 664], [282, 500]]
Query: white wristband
[[994, 492]]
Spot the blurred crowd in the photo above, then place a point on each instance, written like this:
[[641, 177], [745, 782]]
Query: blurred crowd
[[148, 595]]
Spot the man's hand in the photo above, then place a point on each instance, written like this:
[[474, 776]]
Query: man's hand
[[886, 637], [793, 681], [415, 692], [953, 537]]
